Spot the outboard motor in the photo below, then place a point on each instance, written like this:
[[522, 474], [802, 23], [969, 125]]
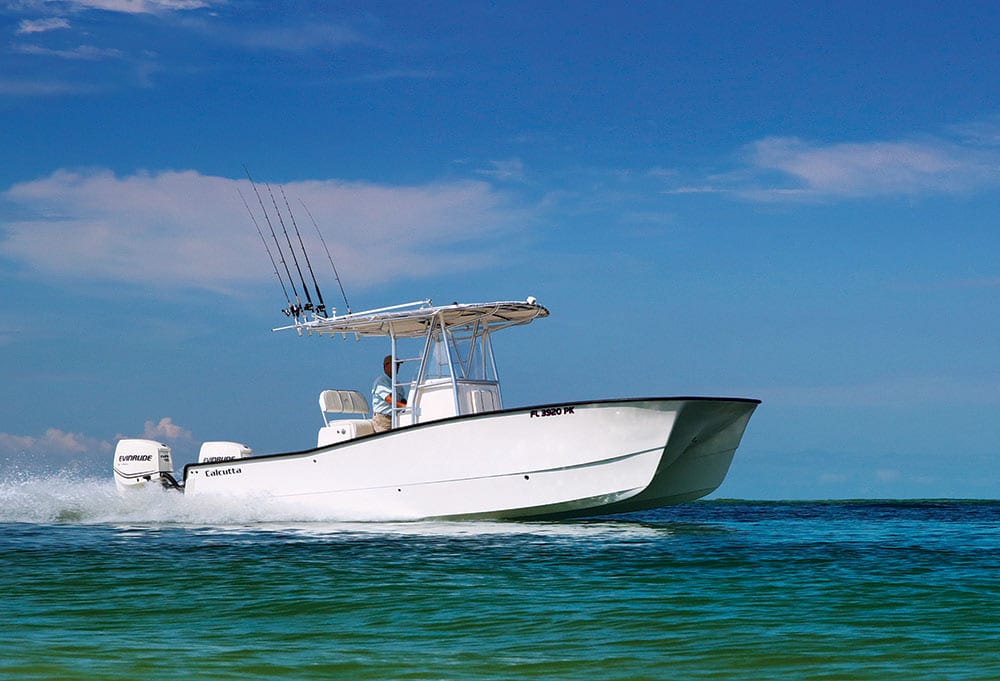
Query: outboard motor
[[140, 461], [222, 451]]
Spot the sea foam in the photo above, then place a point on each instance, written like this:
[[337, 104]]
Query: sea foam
[[67, 498]]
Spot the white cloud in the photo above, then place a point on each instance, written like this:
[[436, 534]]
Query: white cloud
[[509, 170], [166, 429], [82, 52], [16, 444], [140, 6], [783, 169], [703, 189], [55, 449], [184, 229], [54, 443], [41, 25], [817, 171], [984, 132], [866, 168]]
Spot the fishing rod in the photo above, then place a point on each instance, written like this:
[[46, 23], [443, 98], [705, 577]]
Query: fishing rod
[[293, 310], [305, 289], [321, 308], [328, 256], [266, 248]]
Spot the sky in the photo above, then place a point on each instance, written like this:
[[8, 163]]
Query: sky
[[797, 202]]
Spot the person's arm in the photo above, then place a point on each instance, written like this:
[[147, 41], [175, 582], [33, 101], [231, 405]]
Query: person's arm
[[399, 403]]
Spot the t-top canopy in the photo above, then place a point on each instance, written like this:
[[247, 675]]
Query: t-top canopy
[[414, 320]]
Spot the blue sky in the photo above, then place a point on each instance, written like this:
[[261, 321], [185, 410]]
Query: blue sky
[[791, 201]]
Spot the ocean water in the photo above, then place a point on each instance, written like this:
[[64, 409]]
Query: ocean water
[[96, 587]]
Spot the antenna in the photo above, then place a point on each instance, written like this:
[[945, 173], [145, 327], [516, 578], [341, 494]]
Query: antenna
[[293, 310], [328, 256], [321, 308]]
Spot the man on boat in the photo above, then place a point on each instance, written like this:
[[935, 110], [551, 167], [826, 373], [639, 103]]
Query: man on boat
[[382, 397]]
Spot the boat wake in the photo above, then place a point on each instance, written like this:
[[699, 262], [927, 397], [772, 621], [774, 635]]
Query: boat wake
[[67, 498], [70, 499]]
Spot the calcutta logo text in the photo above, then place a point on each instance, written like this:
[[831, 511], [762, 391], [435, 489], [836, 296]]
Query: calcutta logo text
[[223, 471]]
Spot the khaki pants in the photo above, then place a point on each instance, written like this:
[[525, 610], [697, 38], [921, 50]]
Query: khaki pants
[[381, 423]]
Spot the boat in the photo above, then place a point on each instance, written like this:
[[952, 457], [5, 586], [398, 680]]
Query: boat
[[454, 450]]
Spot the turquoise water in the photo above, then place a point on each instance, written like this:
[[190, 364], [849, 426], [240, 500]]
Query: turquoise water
[[94, 587]]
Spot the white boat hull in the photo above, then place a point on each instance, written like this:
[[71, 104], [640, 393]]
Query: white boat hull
[[588, 458]]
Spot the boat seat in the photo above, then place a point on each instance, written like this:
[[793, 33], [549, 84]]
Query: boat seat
[[341, 430], [341, 402]]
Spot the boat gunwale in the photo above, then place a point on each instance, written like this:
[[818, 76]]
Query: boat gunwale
[[428, 424]]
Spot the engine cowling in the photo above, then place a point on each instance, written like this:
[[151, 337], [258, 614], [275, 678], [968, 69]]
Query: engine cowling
[[138, 462], [222, 451]]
